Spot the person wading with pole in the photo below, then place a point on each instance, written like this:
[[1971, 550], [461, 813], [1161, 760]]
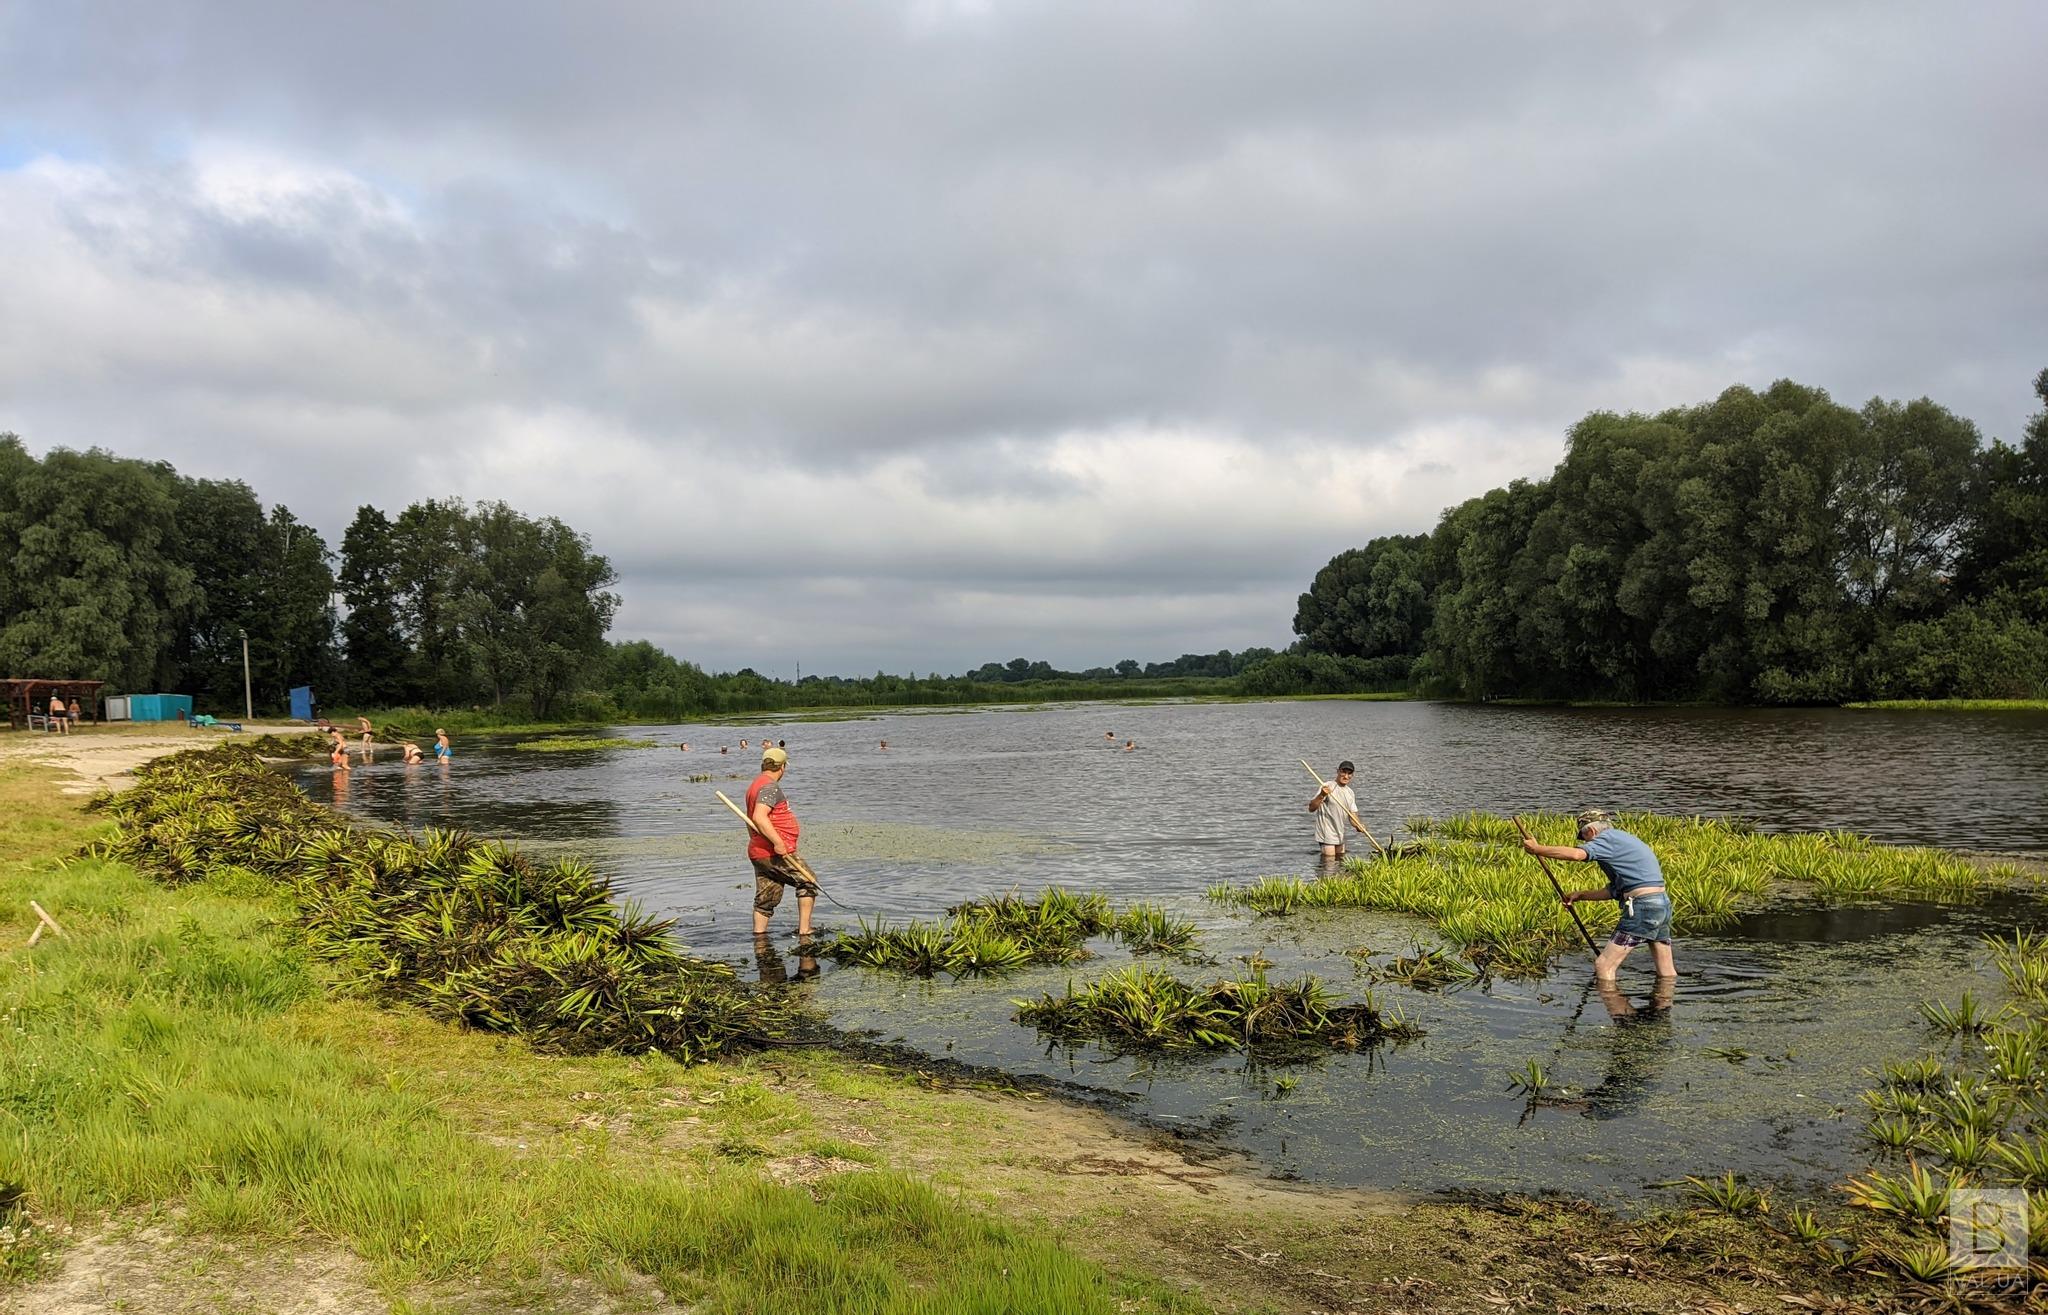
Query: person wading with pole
[[771, 840], [1635, 880], [1334, 805]]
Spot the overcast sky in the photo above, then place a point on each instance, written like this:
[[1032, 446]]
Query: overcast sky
[[912, 336]]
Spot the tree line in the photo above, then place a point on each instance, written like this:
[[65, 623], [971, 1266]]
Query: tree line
[[126, 571], [1766, 547]]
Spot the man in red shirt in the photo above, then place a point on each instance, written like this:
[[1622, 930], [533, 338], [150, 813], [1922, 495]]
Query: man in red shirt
[[776, 837]]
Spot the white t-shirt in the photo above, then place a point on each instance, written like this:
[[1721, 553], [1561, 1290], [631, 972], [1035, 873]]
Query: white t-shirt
[[1333, 816]]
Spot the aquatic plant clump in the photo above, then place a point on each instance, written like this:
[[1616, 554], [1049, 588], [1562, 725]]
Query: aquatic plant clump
[[574, 743], [1143, 1008], [467, 929], [992, 935], [1467, 875], [1968, 1117], [272, 745]]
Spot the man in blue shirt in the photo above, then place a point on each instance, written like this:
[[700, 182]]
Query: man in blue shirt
[[1634, 879]]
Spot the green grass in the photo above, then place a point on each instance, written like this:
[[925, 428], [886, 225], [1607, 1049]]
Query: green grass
[[177, 1050], [573, 743], [1468, 876]]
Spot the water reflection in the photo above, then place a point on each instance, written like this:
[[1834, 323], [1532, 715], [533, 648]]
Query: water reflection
[[772, 968], [1639, 1047]]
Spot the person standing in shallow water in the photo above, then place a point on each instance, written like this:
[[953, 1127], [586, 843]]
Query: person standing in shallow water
[[1334, 806], [775, 838], [1635, 880]]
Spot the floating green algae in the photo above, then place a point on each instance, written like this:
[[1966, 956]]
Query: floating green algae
[[572, 743]]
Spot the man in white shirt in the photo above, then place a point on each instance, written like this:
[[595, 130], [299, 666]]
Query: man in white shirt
[[1335, 808]]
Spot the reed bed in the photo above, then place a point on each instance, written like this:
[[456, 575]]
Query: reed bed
[[1467, 875], [575, 743], [993, 935], [1144, 1008], [467, 929]]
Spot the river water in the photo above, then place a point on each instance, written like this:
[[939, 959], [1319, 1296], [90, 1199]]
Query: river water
[[1755, 1066]]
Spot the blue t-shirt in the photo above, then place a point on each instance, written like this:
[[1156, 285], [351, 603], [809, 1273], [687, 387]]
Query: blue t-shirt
[[1626, 860]]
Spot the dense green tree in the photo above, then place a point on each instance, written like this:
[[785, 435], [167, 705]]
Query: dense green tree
[[1903, 495], [2004, 549], [91, 582], [1369, 602], [372, 642], [433, 554], [566, 615], [1476, 625], [291, 639], [264, 576], [221, 536]]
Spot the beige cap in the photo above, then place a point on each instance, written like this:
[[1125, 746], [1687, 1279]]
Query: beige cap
[[773, 758]]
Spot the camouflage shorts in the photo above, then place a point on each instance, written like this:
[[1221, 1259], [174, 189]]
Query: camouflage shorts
[[768, 883]]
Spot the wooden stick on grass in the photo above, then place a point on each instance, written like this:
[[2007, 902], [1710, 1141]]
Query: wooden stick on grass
[[47, 923], [1354, 817]]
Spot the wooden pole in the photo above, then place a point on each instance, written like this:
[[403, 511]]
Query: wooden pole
[[1577, 921], [46, 923], [1353, 816], [802, 868]]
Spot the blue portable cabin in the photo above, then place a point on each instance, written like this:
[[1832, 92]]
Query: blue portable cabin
[[160, 707]]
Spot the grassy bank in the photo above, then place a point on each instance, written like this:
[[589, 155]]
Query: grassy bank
[[176, 1053], [180, 1078]]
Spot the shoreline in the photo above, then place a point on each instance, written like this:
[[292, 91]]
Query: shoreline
[[1168, 1213]]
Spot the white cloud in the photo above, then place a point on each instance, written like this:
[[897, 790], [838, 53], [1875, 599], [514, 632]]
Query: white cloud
[[963, 330]]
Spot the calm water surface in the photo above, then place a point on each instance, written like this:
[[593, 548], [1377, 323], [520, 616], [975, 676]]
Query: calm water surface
[[1795, 1004]]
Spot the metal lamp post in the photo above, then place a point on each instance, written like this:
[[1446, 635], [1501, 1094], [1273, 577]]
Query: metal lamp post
[[248, 698]]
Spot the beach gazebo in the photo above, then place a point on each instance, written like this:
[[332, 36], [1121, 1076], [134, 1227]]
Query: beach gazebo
[[33, 695]]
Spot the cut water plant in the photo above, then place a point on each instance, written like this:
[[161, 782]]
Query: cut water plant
[[1142, 1008]]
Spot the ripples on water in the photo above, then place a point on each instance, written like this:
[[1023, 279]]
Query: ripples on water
[[974, 804]]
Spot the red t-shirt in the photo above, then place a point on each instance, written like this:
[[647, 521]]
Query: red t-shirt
[[767, 790]]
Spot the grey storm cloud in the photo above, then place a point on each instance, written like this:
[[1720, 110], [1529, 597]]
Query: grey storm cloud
[[971, 330]]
